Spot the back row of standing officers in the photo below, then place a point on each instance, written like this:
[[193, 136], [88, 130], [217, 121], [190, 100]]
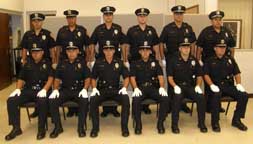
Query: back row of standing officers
[[66, 63]]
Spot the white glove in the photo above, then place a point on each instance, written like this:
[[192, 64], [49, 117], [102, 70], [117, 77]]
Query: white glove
[[94, 92], [42, 93], [137, 92], [92, 64], [162, 92], [201, 63], [164, 62], [240, 88], [177, 89], [198, 90], [54, 65], [16, 92], [54, 94], [83, 93], [127, 64], [214, 88], [123, 91]]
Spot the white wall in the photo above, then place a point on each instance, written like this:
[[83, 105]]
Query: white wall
[[92, 7], [12, 5]]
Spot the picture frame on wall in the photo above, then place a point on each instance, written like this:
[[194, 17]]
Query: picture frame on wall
[[235, 26]]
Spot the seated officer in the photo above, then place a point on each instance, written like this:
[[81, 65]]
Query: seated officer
[[185, 76], [34, 81], [74, 76], [219, 73], [146, 78], [107, 70]]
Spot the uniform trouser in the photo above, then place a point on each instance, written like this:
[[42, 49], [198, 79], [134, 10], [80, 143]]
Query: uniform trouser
[[69, 95], [228, 90], [106, 95], [151, 93], [13, 109], [189, 92]]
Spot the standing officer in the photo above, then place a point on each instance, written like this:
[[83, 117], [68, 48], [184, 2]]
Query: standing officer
[[185, 76], [71, 32], [207, 39], [34, 82], [146, 79], [38, 35], [107, 70], [172, 34], [107, 31], [138, 33], [74, 76], [219, 73]]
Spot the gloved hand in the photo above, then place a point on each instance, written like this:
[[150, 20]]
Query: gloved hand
[[214, 88], [54, 66], [94, 92], [137, 92], [92, 64], [16, 92], [127, 64], [198, 89], [42, 93], [123, 91], [83, 93], [177, 89], [164, 62], [201, 63], [240, 88], [55, 94], [163, 92]]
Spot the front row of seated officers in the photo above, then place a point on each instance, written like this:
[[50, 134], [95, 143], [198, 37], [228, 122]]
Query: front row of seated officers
[[72, 79], [65, 65]]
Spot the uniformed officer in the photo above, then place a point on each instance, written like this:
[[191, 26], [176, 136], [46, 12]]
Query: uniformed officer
[[107, 31], [106, 72], [71, 32], [138, 33], [34, 82], [219, 73], [171, 36], [208, 37], [38, 35], [74, 76], [185, 76], [148, 82]]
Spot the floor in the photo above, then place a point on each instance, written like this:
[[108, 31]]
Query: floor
[[110, 132]]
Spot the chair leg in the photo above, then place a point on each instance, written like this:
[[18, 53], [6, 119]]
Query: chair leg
[[28, 114], [227, 108], [192, 109], [64, 114]]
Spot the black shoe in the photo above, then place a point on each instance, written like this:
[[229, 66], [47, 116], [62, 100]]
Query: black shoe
[[104, 114], [238, 124], [137, 131], [56, 132], [175, 129], [34, 114], [185, 108], [216, 127], [14, 132], [115, 113], [202, 128], [94, 133], [146, 110], [81, 133], [125, 133], [222, 110], [160, 128], [41, 134]]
